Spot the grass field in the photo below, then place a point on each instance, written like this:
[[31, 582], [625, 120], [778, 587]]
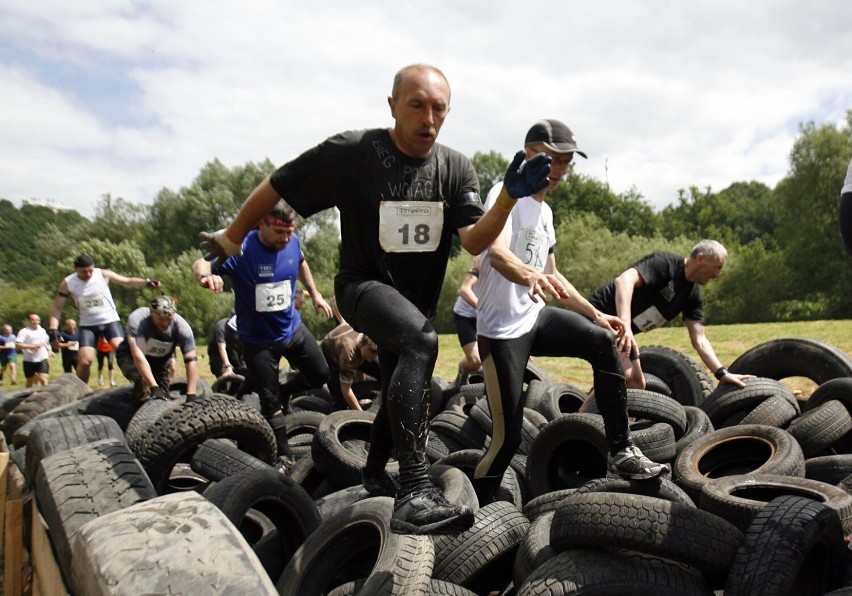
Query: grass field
[[729, 341]]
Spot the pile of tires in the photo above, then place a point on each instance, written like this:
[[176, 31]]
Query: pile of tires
[[184, 496]]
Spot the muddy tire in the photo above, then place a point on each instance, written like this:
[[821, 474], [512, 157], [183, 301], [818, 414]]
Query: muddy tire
[[395, 564], [175, 435], [191, 544]]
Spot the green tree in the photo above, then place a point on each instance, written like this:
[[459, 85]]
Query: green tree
[[807, 205], [490, 168], [589, 254], [752, 284], [23, 263], [209, 203], [199, 306], [741, 213], [117, 220], [17, 301], [627, 213]]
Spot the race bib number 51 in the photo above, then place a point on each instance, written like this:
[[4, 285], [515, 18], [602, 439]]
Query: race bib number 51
[[410, 226], [531, 248]]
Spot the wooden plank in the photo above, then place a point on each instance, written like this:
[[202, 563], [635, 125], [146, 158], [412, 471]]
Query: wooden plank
[[13, 561], [47, 576], [4, 466]]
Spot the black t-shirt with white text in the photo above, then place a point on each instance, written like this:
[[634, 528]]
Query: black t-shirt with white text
[[365, 176], [666, 293]]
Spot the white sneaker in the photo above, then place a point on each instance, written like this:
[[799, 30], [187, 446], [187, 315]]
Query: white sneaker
[[100, 381], [631, 463]]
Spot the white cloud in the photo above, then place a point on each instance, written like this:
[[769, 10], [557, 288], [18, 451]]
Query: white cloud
[[129, 97]]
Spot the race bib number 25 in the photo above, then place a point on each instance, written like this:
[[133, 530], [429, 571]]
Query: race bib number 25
[[273, 296], [410, 226]]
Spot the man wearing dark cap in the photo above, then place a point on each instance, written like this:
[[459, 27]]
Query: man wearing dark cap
[[89, 286], [516, 274], [153, 333]]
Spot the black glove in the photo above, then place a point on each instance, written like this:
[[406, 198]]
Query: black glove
[[157, 393], [525, 178], [54, 335], [152, 283]]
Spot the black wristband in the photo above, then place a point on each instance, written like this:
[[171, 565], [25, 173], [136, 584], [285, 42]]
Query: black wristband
[[721, 372]]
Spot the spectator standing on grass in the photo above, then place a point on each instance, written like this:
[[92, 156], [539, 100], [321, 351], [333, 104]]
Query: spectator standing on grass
[[105, 353], [69, 345], [34, 344], [89, 287], [656, 289], [350, 356], [401, 197], [517, 273], [464, 317], [8, 355], [264, 274], [153, 332]]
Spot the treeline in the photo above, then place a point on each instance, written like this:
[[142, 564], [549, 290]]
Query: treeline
[[786, 258]]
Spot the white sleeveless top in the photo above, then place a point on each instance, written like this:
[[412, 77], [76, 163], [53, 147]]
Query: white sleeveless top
[[847, 186], [93, 298], [505, 309]]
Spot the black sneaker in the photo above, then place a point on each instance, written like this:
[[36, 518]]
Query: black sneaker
[[429, 513], [383, 485], [284, 464]]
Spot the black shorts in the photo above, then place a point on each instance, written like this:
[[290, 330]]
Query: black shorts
[[465, 329], [89, 335], [33, 368]]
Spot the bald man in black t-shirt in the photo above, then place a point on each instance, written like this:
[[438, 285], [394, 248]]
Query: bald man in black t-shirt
[[656, 289]]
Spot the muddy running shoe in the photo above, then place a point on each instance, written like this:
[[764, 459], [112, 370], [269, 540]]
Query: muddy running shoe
[[630, 463], [429, 512], [383, 485], [284, 464]]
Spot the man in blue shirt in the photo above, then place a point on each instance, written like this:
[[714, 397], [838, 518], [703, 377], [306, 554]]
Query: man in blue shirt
[[270, 327]]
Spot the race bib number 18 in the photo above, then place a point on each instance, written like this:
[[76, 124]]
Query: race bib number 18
[[410, 226]]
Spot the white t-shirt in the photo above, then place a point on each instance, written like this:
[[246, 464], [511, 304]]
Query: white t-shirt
[[505, 309], [28, 335], [93, 298], [847, 185]]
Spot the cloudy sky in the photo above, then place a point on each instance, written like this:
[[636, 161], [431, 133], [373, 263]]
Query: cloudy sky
[[127, 97]]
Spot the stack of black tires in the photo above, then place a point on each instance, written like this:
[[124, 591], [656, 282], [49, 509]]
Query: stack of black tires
[[178, 496]]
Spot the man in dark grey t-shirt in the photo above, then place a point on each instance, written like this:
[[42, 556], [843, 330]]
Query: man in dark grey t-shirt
[[656, 289], [152, 335]]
